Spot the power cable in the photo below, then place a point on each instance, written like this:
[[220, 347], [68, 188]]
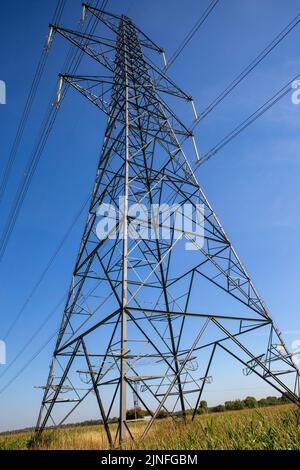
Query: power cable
[[192, 33], [28, 106], [33, 337], [254, 63], [45, 131], [46, 269], [77, 62], [247, 122], [27, 364]]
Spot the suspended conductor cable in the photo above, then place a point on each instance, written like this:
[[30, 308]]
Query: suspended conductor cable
[[58, 249], [250, 120], [254, 63], [192, 33], [33, 337], [28, 106], [61, 243], [28, 363], [45, 131], [46, 269]]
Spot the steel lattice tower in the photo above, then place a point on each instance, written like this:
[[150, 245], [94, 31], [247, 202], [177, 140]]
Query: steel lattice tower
[[133, 320]]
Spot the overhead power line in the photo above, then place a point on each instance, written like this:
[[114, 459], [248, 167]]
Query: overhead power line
[[250, 120], [33, 337], [28, 106], [27, 364], [192, 33], [73, 62], [253, 64], [45, 270]]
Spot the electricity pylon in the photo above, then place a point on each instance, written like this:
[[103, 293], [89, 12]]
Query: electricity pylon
[[133, 319]]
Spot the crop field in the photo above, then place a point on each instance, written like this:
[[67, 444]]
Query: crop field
[[276, 427]]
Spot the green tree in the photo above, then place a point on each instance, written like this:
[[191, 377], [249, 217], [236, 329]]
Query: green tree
[[135, 413], [262, 402], [250, 402], [272, 401], [284, 398], [203, 408], [234, 405], [218, 409]]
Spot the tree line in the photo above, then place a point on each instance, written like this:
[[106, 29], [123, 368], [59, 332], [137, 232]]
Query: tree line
[[248, 403]]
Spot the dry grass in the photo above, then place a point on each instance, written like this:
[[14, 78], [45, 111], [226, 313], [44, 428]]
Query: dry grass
[[275, 427]]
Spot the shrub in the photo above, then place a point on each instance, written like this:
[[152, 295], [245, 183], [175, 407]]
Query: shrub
[[135, 413], [162, 414], [234, 405], [250, 402], [218, 409], [203, 408]]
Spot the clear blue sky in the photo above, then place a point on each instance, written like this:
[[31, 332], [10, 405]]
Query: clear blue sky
[[253, 183]]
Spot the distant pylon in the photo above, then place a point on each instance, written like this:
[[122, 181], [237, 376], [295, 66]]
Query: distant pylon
[[134, 310]]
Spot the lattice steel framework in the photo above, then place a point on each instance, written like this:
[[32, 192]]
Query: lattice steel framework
[[133, 318]]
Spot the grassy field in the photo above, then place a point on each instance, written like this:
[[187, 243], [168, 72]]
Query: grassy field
[[276, 427]]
